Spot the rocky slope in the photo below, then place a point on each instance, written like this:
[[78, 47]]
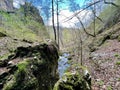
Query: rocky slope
[[26, 61], [104, 61]]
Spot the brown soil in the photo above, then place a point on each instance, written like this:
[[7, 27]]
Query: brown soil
[[104, 70]]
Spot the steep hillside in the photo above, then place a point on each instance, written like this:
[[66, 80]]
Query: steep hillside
[[27, 62], [18, 26], [21, 28], [104, 56]]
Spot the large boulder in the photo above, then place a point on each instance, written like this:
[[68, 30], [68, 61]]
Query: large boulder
[[30, 68], [74, 81]]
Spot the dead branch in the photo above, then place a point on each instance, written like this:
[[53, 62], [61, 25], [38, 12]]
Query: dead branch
[[99, 18], [84, 27]]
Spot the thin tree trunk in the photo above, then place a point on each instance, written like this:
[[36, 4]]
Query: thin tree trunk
[[58, 23], [81, 51], [53, 19], [94, 11]]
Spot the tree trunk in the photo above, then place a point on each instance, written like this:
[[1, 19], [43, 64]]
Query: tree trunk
[[58, 23], [53, 19]]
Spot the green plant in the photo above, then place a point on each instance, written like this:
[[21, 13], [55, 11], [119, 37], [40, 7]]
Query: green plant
[[100, 82], [119, 38], [14, 27], [5, 56], [22, 65], [109, 88], [116, 55], [118, 79], [118, 63]]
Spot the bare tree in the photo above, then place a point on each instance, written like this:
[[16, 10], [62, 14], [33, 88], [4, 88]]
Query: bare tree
[[94, 12], [81, 49], [58, 21], [53, 21]]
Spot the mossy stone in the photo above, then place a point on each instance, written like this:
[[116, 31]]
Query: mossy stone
[[72, 81]]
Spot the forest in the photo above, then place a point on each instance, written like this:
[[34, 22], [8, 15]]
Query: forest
[[59, 44]]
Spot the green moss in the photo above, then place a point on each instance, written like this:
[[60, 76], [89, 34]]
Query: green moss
[[22, 65], [118, 63], [21, 78], [2, 34], [18, 82], [79, 68], [36, 70], [118, 79], [9, 84], [31, 30], [72, 81], [32, 84], [5, 56], [119, 38], [116, 55], [109, 88], [100, 82]]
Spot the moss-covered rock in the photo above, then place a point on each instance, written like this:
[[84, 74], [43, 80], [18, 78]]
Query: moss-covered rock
[[74, 81], [112, 33], [119, 38], [2, 34], [35, 68]]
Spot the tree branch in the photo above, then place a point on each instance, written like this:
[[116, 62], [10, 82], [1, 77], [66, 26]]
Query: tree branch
[[82, 10], [84, 27], [110, 3], [91, 4]]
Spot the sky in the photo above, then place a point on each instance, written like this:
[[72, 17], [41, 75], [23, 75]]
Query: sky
[[16, 3], [64, 13]]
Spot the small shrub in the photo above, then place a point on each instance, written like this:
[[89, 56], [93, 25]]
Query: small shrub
[[118, 63], [116, 55], [100, 82], [109, 88]]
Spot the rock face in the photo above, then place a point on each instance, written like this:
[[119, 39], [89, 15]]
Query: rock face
[[6, 5], [32, 11], [30, 68]]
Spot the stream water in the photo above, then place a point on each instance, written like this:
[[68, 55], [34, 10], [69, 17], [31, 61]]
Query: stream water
[[63, 64]]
